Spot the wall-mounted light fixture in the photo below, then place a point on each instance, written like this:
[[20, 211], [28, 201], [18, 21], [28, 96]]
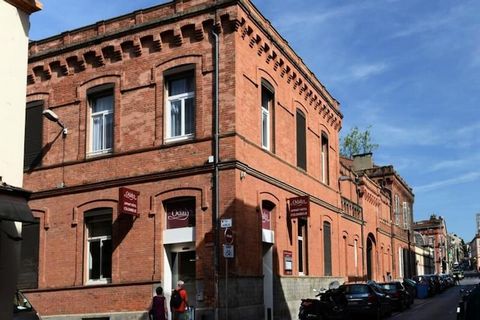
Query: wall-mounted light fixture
[[52, 116]]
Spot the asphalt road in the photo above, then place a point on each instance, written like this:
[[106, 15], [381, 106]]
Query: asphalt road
[[442, 306]]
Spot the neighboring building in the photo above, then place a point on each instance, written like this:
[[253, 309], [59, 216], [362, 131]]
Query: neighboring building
[[435, 232], [424, 260], [478, 223], [455, 250], [13, 199], [400, 216], [475, 253]]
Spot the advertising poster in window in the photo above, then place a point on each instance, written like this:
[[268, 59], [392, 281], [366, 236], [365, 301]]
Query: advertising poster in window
[[266, 218], [288, 262], [180, 214]]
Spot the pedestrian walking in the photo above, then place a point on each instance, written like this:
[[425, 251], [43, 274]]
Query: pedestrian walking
[[179, 302], [158, 309]]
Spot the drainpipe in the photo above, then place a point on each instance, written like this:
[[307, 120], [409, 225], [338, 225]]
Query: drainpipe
[[216, 185]]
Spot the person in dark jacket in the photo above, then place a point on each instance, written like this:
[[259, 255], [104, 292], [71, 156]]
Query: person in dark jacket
[[158, 309]]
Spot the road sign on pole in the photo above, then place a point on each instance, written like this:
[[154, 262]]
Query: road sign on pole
[[228, 251], [228, 235]]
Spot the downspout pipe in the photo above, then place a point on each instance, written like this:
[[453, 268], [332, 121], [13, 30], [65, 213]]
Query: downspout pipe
[[216, 184]]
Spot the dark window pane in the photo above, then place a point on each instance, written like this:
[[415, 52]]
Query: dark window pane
[[28, 274], [301, 141], [327, 249], [107, 259], [94, 262], [33, 135], [189, 115]]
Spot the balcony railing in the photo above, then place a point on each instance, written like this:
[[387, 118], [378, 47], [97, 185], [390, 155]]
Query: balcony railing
[[352, 209], [385, 225], [400, 232]]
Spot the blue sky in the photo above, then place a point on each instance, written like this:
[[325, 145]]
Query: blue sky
[[408, 68]]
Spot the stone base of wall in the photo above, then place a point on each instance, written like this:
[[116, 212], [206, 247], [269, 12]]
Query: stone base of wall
[[290, 290]]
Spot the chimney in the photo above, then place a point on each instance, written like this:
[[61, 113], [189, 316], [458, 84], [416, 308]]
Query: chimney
[[362, 161]]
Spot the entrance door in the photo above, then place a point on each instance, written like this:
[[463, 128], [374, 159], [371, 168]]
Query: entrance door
[[184, 269], [268, 280]]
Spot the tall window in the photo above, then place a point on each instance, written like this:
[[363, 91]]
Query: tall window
[[33, 135], [98, 224], [397, 210], [301, 141], [101, 120], [302, 246], [327, 248], [405, 215], [267, 109], [28, 272], [355, 255], [180, 106], [325, 171]]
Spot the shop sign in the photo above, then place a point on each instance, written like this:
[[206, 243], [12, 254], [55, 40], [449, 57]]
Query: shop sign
[[299, 207], [266, 218], [288, 262], [180, 215], [128, 201]]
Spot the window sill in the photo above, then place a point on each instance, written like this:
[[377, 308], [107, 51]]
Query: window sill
[[98, 282], [179, 139], [99, 153]]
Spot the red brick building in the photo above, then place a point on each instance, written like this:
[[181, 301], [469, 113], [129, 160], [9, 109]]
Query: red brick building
[[132, 195], [434, 230]]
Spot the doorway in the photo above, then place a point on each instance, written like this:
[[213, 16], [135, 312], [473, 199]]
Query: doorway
[[182, 266]]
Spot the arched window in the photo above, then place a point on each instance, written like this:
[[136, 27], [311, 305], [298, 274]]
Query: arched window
[[327, 248], [301, 140], [267, 115], [180, 212], [324, 159], [98, 226]]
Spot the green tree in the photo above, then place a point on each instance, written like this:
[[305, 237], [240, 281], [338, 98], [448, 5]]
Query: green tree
[[357, 142]]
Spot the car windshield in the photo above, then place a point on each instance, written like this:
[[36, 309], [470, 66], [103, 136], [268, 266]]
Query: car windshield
[[20, 303]]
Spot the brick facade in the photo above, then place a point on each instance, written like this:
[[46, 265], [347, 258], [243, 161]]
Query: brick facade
[[134, 55]]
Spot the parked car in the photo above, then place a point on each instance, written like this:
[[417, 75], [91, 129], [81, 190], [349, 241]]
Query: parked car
[[399, 296], [22, 309], [411, 287], [367, 299]]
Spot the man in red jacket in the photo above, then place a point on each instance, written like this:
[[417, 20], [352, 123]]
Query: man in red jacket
[[181, 312]]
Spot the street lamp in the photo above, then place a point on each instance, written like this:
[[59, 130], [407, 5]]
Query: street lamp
[[52, 116]]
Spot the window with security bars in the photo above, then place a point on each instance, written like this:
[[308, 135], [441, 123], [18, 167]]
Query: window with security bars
[[180, 106]]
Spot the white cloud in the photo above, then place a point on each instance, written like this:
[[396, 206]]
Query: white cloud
[[465, 178]]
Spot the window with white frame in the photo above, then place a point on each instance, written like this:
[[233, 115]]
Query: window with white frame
[[267, 105], [302, 247], [180, 106], [101, 121], [98, 225]]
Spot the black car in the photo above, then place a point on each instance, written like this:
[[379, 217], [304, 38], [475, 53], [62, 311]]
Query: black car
[[22, 309], [366, 299], [411, 287], [398, 294]]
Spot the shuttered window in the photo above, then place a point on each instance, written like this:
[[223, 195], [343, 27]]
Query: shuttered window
[[327, 248], [301, 141], [33, 135]]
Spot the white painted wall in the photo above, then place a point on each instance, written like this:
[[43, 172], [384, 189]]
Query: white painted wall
[[13, 83]]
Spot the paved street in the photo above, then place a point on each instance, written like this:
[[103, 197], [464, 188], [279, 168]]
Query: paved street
[[440, 307]]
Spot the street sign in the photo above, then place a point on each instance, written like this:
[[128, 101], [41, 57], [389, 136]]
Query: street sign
[[228, 251], [228, 235], [226, 223]]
